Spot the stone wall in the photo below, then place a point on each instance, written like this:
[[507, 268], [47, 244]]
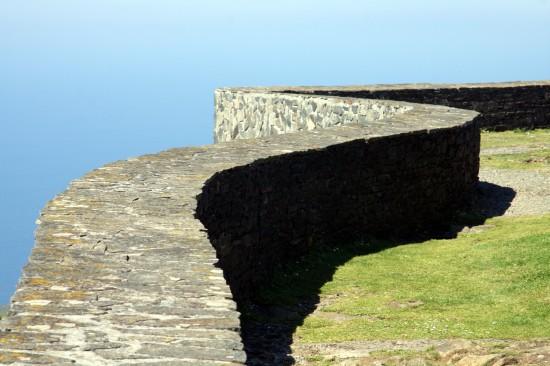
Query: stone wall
[[253, 112], [126, 264], [503, 106], [273, 210], [246, 114]]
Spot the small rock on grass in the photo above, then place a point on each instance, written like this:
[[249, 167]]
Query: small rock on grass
[[506, 361], [478, 360], [416, 362], [451, 348]]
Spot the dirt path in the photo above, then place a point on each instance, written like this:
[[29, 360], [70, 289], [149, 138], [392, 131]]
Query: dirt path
[[458, 352], [513, 150], [532, 189]]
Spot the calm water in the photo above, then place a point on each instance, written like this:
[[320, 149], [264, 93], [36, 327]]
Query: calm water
[[83, 83]]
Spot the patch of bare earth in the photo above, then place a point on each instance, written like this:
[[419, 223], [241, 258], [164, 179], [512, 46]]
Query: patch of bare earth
[[488, 352], [532, 189]]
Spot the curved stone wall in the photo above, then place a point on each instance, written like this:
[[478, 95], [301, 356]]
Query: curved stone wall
[[242, 113], [503, 106], [253, 112], [126, 265], [271, 211]]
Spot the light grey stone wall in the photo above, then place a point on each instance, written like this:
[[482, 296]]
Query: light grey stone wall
[[503, 106], [242, 114]]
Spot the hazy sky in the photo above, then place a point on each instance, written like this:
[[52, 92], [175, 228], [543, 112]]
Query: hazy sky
[[83, 83]]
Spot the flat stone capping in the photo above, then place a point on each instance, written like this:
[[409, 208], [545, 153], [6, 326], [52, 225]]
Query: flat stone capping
[[124, 270], [376, 87]]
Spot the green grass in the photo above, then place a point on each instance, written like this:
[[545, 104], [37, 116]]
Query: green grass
[[319, 361], [528, 138], [493, 284], [538, 156], [537, 159]]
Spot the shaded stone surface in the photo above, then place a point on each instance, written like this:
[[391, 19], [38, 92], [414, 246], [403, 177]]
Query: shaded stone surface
[[271, 211]]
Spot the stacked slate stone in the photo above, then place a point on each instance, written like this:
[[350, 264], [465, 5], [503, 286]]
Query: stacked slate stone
[[503, 106]]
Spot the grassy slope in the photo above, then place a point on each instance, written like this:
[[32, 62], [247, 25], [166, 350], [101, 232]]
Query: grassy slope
[[490, 284], [538, 141], [533, 138], [536, 159], [493, 284]]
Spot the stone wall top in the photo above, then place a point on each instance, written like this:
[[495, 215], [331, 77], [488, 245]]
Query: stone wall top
[[270, 110], [380, 87]]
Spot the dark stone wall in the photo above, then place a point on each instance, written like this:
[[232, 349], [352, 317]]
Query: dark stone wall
[[275, 209], [502, 108]]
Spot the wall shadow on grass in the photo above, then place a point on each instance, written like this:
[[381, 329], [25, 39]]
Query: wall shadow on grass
[[269, 320]]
